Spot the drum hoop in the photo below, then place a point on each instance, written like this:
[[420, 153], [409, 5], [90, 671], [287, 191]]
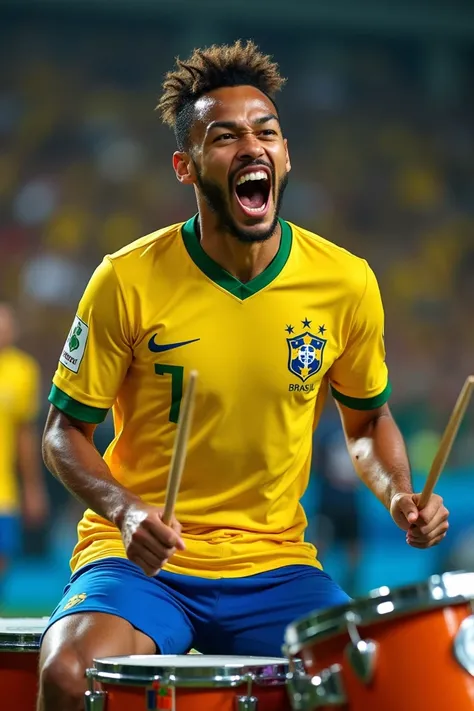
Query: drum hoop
[[23, 642], [381, 604], [194, 677]]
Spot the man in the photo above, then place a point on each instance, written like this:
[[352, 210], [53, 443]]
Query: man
[[270, 315], [19, 441]]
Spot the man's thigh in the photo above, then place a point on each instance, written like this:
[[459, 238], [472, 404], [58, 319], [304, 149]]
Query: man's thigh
[[117, 587]]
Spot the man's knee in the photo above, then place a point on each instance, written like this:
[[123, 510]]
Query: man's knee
[[68, 648], [62, 681]]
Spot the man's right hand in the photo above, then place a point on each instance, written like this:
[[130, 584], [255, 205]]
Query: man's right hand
[[148, 541]]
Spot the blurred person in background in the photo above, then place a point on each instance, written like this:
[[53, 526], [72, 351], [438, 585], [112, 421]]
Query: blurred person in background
[[337, 513], [22, 487]]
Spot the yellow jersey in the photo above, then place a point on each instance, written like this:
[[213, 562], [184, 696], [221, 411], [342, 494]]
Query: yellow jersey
[[19, 404], [266, 352]]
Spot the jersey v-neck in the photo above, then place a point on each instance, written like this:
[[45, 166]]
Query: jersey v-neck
[[223, 278]]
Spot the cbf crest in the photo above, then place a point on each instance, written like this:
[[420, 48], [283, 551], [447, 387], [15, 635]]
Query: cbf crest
[[305, 354]]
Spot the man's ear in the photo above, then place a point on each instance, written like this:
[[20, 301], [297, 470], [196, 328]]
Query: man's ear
[[184, 168], [288, 162]]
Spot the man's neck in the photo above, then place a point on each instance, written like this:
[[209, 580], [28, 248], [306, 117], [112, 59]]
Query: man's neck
[[244, 260]]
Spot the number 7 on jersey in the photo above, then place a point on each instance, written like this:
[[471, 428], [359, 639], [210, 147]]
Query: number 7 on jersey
[[177, 373]]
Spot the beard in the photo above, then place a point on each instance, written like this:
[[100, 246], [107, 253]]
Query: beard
[[216, 199]]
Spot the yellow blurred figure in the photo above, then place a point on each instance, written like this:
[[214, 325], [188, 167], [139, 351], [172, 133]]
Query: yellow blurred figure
[[117, 229], [19, 440], [67, 231]]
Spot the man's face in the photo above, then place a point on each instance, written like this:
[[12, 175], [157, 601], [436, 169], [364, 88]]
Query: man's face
[[240, 160]]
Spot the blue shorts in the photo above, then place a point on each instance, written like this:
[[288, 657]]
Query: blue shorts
[[226, 616], [10, 535]]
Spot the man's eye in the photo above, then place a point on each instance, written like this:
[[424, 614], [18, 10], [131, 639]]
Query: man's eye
[[224, 137], [268, 132]]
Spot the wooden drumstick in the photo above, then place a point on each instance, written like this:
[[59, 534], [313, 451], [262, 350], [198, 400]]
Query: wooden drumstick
[[447, 440], [178, 457]]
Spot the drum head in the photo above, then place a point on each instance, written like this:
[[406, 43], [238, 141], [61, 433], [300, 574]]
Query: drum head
[[455, 588], [190, 670], [21, 634]]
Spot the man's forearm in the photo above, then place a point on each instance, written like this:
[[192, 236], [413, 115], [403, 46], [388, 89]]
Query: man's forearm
[[380, 458], [73, 459]]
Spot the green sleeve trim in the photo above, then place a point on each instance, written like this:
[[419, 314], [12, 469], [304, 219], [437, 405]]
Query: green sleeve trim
[[360, 403], [76, 409]]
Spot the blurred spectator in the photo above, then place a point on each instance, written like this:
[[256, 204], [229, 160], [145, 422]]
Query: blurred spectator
[[383, 168], [337, 511], [19, 442], [461, 553]]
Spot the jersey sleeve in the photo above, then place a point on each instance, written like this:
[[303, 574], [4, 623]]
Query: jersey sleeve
[[359, 377], [27, 392], [97, 352]]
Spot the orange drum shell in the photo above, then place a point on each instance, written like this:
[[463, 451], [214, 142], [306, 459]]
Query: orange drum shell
[[18, 680], [415, 666], [127, 698]]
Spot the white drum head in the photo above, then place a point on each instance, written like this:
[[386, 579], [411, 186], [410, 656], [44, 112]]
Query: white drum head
[[189, 670], [182, 661]]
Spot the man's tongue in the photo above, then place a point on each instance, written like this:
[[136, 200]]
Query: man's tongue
[[253, 196]]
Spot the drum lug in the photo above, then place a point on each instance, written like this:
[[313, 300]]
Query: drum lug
[[361, 653], [94, 701], [246, 703], [362, 657], [464, 645], [321, 690]]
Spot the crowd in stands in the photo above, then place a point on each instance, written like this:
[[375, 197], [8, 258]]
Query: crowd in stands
[[383, 164]]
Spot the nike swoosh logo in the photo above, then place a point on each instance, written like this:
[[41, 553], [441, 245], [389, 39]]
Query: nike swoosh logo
[[161, 348]]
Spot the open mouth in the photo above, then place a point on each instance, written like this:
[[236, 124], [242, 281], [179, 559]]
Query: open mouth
[[252, 190]]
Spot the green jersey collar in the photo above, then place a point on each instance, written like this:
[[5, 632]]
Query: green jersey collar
[[225, 280]]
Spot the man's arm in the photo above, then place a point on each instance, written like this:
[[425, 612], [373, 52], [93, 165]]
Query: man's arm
[[35, 500], [70, 454], [378, 451], [380, 459]]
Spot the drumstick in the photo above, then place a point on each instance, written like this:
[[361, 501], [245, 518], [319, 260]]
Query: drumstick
[[447, 440], [178, 457]]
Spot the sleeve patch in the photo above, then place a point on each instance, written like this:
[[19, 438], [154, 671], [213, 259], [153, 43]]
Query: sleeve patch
[[73, 351]]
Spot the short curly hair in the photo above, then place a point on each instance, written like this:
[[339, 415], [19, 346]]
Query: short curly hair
[[212, 68]]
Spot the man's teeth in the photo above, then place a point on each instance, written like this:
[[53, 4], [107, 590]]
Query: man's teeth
[[259, 175], [257, 209]]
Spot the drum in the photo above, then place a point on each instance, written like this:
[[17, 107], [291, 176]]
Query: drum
[[409, 648], [188, 683], [19, 651]]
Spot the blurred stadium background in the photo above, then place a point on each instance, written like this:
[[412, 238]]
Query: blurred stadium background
[[379, 113]]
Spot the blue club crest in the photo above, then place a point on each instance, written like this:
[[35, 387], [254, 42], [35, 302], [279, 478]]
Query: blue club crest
[[305, 354]]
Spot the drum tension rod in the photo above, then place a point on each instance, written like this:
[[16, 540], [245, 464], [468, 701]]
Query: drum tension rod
[[248, 702], [361, 653]]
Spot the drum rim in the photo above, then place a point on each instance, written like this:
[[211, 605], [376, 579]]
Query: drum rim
[[435, 592], [21, 634], [194, 676], [20, 642]]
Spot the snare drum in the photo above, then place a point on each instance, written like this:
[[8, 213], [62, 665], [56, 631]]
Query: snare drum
[[188, 682], [409, 648], [19, 650]]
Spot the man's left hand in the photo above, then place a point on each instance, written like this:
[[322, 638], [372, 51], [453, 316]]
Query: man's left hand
[[425, 527]]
